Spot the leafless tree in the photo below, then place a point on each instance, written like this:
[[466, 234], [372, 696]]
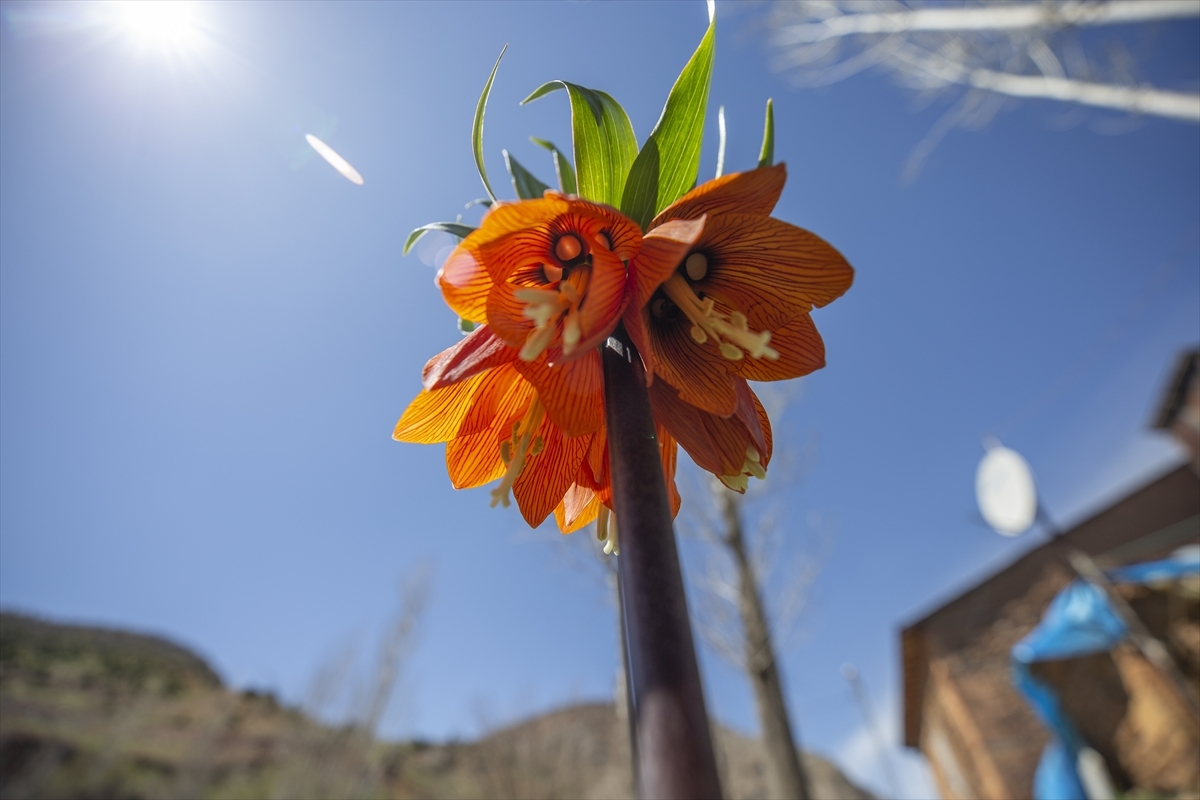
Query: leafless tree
[[737, 594], [983, 54], [337, 762]]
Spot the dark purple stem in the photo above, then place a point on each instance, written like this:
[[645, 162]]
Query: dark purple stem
[[673, 749]]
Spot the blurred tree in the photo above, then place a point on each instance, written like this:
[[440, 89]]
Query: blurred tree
[[984, 54], [741, 585]]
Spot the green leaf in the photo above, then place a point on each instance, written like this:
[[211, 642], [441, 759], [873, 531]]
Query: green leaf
[[524, 183], [563, 168], [720, 142], [477, 127], [670, 159], [452, 228], [766, 156], [603, 137], [479, 201]]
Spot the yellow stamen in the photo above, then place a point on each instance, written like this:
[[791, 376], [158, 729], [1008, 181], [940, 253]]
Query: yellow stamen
[[522, 447], [602, 523], [611, 547], [730, 332], [751, 467], [547, 307]]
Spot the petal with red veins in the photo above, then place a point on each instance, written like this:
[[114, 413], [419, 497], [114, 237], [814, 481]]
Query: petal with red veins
[[573, 393], [801, 351], [752, 192]]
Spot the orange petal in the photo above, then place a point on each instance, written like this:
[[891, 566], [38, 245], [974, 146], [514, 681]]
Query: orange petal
[[601, 310], [578, 508], [436, 416], [800, 348], [549, 474], [474, 460], [465, 284], [764, 423], [503, 397], [699, 372], [747, 414], [717, 444], [769, 270], [508, 217], [668, 451], [478, 351], [597, 459], [520, 250], [662, 250], [622, 233], [753, 192], [573, 393]]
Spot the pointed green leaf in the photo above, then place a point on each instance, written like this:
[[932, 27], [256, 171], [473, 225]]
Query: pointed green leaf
[[452, 228], [562, 167], [670, 159], [766, 156], [477, 127], [524, 183], [720, 142], [479, 201], [603, 137]]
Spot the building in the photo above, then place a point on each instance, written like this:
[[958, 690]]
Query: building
[[961, 708]]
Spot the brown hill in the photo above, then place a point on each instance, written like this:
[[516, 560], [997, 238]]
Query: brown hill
[[89, 713]]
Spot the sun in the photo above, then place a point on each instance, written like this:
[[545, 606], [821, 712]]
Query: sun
[[168, 24]]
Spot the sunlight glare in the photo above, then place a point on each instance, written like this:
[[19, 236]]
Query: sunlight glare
[[168, 24]]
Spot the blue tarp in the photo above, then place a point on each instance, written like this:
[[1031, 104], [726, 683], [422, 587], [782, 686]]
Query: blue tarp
[[1079, 622]]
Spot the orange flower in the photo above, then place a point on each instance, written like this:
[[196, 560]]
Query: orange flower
[[531, 265], [551, 278], [496, 425], [737, 305]]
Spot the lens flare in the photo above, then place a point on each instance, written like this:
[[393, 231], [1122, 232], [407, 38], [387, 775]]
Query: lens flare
[[337, 162]]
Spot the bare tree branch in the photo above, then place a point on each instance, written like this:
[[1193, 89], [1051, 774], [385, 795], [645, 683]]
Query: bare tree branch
[[988, 54], [839, 22]]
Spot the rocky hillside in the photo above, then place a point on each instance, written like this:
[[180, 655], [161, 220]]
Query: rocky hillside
[[89, 713]]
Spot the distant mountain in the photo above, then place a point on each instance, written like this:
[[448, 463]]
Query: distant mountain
[[90, 713]]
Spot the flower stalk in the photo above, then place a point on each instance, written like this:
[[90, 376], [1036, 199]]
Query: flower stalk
[[672, 747]]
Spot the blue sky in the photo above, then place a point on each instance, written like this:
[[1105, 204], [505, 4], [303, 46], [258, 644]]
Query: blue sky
[[206, 336]]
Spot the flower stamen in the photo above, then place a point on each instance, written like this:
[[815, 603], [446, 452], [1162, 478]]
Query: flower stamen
[[751, 467], [546, 307], [729, 331], [606, 530], [518, 450]]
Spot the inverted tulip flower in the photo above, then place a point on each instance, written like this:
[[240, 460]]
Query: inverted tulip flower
[[737, 306]]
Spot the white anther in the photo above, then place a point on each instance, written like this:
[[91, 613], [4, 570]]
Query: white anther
[[696, 266]]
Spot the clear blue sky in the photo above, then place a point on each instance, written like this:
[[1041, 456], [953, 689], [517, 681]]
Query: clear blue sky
[[206, 336]]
